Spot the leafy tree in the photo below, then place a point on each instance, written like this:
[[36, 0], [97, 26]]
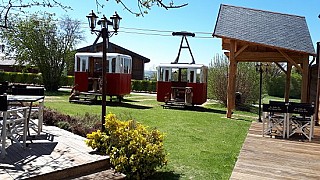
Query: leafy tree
[[247, 81], [44, 43]]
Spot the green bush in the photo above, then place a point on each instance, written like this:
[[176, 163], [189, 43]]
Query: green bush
[[136, 85], [152, 86], [4, 76], [143, 85], [247, 81], [295, 87], [80, 125], [134, 150], [67, 81], [276, 85]]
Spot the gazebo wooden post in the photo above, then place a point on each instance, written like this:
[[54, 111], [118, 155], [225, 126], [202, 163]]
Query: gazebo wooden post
[[231, 79], [288, 79], [305, 80]]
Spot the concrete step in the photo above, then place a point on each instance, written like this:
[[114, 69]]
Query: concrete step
[[77, 171], [105, 175]]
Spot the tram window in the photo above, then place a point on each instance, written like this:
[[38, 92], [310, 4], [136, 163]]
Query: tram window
[[83, 65], [121, 65], [166, 75], [126, 66], [107, 68], [161, 75], [184, 75], [191, 79], [113, 65], [175, 74], [97, 65], [198, 75]]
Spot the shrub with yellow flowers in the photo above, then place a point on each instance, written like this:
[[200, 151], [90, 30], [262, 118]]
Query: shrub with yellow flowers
[[134, 150]]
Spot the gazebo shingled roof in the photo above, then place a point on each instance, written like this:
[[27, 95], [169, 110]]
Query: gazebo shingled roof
[[264, 27]]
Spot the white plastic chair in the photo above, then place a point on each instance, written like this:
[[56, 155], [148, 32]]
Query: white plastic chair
[[13, 123]]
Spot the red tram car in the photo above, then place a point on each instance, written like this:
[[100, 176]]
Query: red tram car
[[182, 84], [88, 74]]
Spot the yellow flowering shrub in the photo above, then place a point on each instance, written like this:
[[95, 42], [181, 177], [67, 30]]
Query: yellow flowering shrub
[[134, 150]]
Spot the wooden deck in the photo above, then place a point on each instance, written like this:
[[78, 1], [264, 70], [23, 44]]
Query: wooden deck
[[54, 154], [277, 158]]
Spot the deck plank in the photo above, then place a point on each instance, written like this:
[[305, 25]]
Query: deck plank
[[53, 150], [277, 158]]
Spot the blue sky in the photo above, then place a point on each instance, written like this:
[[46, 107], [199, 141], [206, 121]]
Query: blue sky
[[198, 16]]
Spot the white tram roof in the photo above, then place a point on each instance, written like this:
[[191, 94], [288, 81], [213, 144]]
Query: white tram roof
[[182, 66], [99, 54]]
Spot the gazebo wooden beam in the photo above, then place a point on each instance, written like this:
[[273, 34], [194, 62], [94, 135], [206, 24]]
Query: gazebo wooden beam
[[231, 80], [241, 50], [265, 57], [280, 67], [290, 60]]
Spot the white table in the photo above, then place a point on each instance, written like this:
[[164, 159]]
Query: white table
[[30, 99]]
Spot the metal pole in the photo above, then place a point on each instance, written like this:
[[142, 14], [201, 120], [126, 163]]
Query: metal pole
[[104, 32], [260, 92], [318, 84]]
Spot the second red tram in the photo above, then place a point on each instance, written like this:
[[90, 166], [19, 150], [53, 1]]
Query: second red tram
[[88, 73], [182, 84]]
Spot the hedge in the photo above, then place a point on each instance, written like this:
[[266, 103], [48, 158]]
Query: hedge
[[31, 78], [143, 86]]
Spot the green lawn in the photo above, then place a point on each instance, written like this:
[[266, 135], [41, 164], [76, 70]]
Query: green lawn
[[201, 143], [267, 98]]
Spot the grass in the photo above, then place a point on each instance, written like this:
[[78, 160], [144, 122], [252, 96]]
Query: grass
[[201, 143], [267, 98]]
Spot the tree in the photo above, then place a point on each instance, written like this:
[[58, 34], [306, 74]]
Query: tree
[[247, 81], [16, 8], [40, 42], [145, 5]]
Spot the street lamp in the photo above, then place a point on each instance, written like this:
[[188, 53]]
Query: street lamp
[[261, 68], [105, 33]]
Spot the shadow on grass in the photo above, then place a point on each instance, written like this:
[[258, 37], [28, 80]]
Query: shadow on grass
[[165, 176], [199, 109], [126, 105], [128, 100]]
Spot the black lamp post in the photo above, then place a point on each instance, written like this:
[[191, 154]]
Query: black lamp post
[[105, 33], [261, 68]]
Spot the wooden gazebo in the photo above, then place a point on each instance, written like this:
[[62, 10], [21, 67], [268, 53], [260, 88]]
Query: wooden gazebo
[[251, 35]]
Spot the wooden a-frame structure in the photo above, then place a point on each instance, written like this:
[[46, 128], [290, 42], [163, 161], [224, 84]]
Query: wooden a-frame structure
[[251, 35]]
